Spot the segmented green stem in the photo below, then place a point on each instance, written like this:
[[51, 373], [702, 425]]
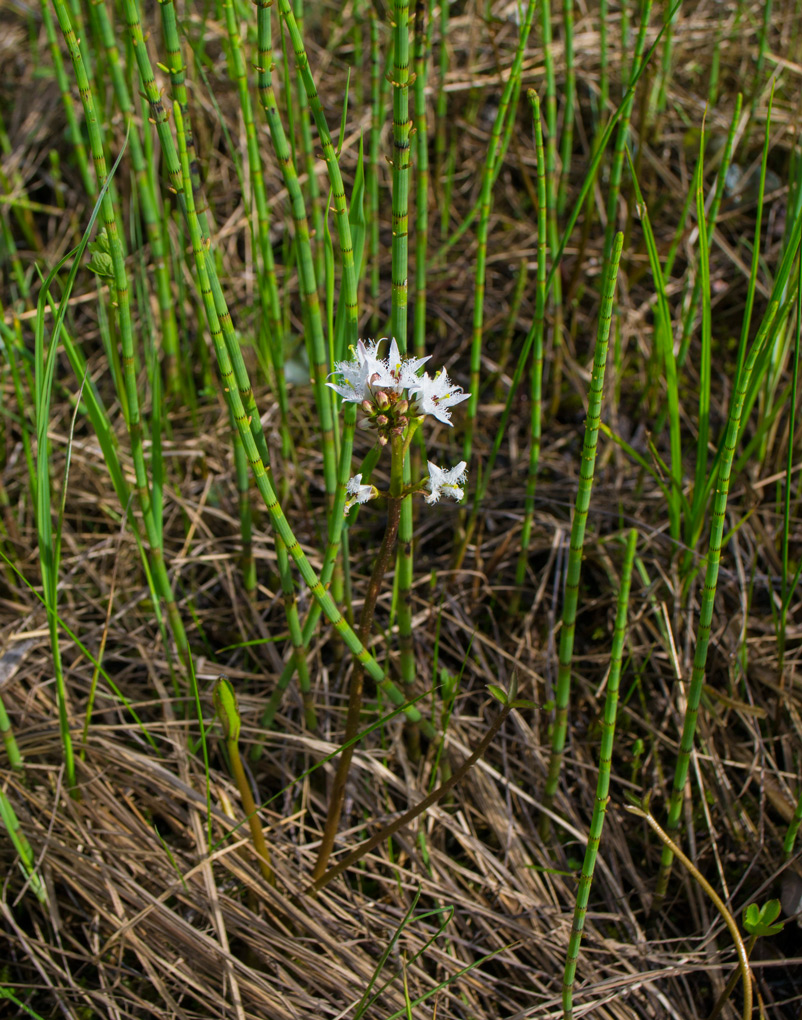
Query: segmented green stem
[[149, 199], [694, 692], [310, 160], [586, 470], [272, 332], [339, 204], [622, 134], [76, 138], [400, 172], [117, 252], [537, 355], [313, 319], [569, 92], [689, 318], [492, 160], [603, 782], [260, 471], [422, 180]]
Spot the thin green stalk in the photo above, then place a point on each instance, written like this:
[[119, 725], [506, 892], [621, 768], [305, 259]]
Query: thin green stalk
[[373, 162], [243, 477], [536, 368], [261, 473], [441, 118], [694, 692], [485, 203], [9, 740], [380, 568], [571, 596], [309, 159], [9, 818], [603, 782]]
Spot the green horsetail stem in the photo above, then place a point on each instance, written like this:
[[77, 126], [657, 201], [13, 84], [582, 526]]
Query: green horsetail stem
[[260, 471], [422, 35], [553, 277], [571, 596], [310, 159], [339, 204], [149, 199], [271, 333], [536, 387], [75, 136], [120, 281], [622, 134], [307, 280], [400, 173], [173, 166], [492, 160], [569, 94], [694, 692], [399, 327], [603, 782]]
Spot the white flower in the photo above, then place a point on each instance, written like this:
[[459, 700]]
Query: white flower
[[357, 374], [358, 492], [437, 395], [366, 374], [445, 482]]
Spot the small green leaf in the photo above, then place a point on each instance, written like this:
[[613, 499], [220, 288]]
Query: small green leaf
[[498, 693], [751, 916], [770, 911]]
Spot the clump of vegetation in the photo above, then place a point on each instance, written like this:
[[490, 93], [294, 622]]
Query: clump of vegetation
[[282, 740]]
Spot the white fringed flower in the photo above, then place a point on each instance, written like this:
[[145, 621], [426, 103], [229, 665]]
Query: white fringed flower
[[436, 396], [446, 482], [358, 492], [365, 374]]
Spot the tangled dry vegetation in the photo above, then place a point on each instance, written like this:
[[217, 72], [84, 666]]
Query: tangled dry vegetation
[[468, 912]]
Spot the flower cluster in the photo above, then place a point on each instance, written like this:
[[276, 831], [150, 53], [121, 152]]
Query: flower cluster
[[395, 397], [390, 390]]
